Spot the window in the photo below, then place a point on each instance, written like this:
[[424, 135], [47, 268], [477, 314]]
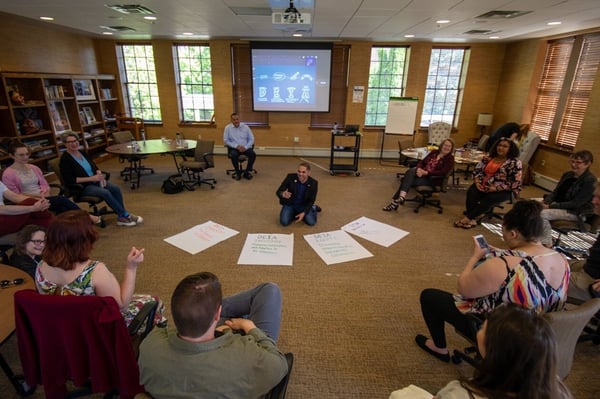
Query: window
[[564, 89], [194, 82], [138, 74], [387, 76], [445, 85]]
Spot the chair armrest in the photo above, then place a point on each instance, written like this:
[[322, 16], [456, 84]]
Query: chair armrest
[[144, 319], [61, 189], [206, 155]]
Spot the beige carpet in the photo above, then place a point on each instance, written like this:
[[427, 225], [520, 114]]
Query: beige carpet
[[351, 326]]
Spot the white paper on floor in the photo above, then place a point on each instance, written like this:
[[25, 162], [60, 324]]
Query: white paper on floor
[[374, 231], [200, 237], [336, 247], [268, 249]]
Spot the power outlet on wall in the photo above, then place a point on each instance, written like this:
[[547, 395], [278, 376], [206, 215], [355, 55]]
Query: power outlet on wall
[[296, 139]]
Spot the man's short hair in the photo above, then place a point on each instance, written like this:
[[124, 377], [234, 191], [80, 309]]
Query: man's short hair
[[583, 155], [305, 164], [195, 302]]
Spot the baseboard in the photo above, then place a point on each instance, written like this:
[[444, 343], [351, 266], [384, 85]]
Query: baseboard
[[313, 152], [544, 182]]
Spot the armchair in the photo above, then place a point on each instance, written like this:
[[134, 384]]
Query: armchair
[[438, 132], [203, 159], [88, 344]]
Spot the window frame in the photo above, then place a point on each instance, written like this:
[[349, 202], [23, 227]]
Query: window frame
[[184, 82], [131, 88], [382, 104], [461, 75], [564, 89]]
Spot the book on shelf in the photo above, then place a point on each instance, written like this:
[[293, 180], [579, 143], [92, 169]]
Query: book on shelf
[[106, 93], [54, 92]]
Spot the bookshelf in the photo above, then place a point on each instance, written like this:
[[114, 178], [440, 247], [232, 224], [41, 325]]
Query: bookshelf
[[53, 104]]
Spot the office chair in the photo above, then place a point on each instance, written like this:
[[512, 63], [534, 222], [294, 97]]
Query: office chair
[[82, 339], [438, 132], [7, 242], [135, 167], [203, 159], [135, 125], [426, 194], [74, 191], [567, 326], [241, 159]]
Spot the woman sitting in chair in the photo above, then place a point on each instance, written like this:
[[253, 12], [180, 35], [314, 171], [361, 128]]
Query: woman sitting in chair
[[527, 273], [66, 267], [519, 359], [24, 178], [496, 179], [428, 172]]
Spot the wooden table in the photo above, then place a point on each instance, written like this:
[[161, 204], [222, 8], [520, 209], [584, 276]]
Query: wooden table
[[148, 147], [7, 315]]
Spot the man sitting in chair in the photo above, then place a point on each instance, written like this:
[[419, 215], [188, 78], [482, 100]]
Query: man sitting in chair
[[217, 349], [239, 140]]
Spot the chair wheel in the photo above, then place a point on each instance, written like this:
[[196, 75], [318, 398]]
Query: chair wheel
[[212, 187], [416, 210], [456, 359], [440, 210]]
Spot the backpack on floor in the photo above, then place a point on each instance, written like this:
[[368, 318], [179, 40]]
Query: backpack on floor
[[173, 185]]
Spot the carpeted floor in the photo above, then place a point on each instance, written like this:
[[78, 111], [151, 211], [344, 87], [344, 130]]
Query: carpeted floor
[[351, 326]]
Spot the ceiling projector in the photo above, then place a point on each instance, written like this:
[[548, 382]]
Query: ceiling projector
[[291, 18]]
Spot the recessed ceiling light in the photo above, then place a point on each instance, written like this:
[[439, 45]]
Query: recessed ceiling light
[[47, 18], [150, 18], [442, 21], [494, 37], [107, 33], [409, 36], [297, 34], [554, 23], [188, 33]]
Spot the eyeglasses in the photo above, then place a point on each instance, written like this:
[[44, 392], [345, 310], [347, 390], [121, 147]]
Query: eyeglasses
[[576, 161], [6, 283], [71, 141], [38, 242]]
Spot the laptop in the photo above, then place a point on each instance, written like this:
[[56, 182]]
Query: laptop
[[351, 129]]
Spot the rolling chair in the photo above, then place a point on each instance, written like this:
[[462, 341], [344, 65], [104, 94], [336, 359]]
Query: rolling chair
[[438, 132], [567, 326], [584, 224], [241, 159], [88, 344], [74, 191], [7, 242], [426, 194], [203, 159], [135, 167]]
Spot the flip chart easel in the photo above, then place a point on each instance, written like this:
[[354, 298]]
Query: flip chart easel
[[401, 118]]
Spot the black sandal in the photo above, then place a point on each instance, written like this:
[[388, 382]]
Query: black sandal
[[392, 206]]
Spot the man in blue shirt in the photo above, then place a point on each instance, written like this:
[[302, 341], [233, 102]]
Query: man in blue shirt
[[297, 194], [239, 140]]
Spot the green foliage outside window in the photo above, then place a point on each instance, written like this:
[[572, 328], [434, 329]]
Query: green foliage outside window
[[387, 74], [194, 82]]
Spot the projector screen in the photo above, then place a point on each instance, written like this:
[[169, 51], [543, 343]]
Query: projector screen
[[291, 76]]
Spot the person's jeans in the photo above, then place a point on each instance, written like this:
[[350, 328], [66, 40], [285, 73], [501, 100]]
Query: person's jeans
[[288, 215], [409, 180], [235, 154], [261, 304], [111, 194]]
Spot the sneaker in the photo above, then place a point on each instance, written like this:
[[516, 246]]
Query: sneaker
[[126, 221], [136, 219]]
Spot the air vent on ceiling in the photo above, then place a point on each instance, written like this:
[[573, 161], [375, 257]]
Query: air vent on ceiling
[[118, 28], [478, 32], [502, 14], [130, 9], [251, 11]]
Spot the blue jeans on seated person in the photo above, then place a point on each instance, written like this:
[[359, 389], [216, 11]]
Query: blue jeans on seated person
[[261, 304], [111, 194], [289, 212]]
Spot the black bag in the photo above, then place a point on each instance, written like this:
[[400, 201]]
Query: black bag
[[173, 185]]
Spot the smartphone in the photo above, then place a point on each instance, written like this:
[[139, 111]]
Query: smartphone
[[481, 241]]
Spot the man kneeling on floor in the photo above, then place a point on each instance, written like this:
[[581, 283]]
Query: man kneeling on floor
[[204, 358]]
